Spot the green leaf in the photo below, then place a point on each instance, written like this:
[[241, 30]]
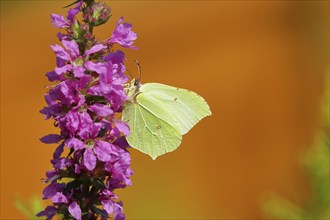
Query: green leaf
[[29, 208], [280, 208]]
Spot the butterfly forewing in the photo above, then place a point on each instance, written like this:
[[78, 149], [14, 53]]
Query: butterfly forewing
[[185, 107]]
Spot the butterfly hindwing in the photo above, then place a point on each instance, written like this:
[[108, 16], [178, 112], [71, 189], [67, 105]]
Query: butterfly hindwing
[[149, 133]]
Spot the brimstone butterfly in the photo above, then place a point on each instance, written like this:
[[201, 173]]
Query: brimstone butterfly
[[158, 115]]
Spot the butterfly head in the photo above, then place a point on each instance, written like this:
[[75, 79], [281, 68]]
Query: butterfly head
[[132, 90]]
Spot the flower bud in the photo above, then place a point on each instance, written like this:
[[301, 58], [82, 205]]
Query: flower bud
[[97, 14], [78, 31]]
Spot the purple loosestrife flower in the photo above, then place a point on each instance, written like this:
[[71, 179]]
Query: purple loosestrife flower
[[111, 80], [76, 63], [123, 35], [75, 210], [88, 91], [60, 22], [49, 212]]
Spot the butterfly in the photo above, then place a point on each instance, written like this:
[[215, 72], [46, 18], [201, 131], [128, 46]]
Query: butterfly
[[158, 115]]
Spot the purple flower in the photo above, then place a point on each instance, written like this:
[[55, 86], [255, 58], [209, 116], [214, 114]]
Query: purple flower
[[119, 211], [65, 96], [74, 210], [49, 212], [76, 62], [61, 163], [53, 76], [52, 189], [59, 198], [79, 124], [51, 139], [101, 109], [74, 11], [102, 150], [89, 159], [120, 171], [111, 80], [107, 199], [115, 69], [59, 150], [123, 35], [75, 143], [88, 92], [121, 127], [59, 21]]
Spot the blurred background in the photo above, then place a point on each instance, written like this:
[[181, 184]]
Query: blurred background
[[261, 66]]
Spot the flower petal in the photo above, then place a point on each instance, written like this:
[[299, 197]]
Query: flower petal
[[49, 212], [61, 36], [97, 67], [72, 47], [123, 35], [119, 211], [64, 69], [95, 48], [100, 109], [59, 198], [59, 150], [89, 159], [75, 143], [122, 127], [115, 57], [74, 11], [61, 163], [52, 189], [75, 210], [51, 138], [79, 71], [60, 62], [60, 52], [103, 150], [59, 21], [52, 76], [108, 205]]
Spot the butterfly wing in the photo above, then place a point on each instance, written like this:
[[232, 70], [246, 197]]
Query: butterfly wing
[[149, 133], [186, 108]]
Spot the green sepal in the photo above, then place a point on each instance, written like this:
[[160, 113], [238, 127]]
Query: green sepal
[[99, 211], [98, 184], [91, 99], [72, 3], [71, 185]]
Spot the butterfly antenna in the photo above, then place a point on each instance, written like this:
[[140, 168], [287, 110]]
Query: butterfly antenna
[[139, 69], [130, 73]]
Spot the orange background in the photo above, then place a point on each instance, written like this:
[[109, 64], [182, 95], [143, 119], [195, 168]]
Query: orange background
[[259, 64]]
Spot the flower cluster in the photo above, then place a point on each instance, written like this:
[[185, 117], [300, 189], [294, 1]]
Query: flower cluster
[[84, 102]]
